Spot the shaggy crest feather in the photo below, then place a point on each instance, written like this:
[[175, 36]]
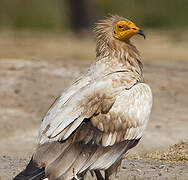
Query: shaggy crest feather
[[108, 46]]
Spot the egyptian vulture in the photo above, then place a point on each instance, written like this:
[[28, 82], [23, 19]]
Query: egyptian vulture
[[99, 117]]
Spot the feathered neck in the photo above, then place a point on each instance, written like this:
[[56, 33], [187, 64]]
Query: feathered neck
[[108, 46]]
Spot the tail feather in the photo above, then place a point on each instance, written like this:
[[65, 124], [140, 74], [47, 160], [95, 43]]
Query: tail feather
[[84, 154], [75, 156], [31, 172]]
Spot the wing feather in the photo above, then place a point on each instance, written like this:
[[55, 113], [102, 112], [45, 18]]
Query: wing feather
[[128, 116], [74, 126], [61, 101], [119, 111], [80, 105]]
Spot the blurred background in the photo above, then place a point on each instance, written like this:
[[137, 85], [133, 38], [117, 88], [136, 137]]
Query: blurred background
[[45, 45], [57, 21], [58, 14]]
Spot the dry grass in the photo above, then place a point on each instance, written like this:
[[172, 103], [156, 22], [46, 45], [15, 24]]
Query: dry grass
[[175, 153], [58, 45]]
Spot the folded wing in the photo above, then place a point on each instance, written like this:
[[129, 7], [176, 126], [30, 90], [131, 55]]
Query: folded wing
[[94, 100], [96, 124]]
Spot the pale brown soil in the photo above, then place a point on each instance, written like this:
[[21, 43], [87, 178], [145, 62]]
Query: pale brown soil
[[132, 169], [28, 87]]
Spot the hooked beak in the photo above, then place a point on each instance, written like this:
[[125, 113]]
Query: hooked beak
[[141, 33]]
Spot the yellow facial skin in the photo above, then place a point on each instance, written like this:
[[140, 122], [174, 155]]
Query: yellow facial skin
[[124, 30]]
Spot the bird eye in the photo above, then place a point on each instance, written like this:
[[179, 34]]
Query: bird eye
[[134, 28], [120, 27]]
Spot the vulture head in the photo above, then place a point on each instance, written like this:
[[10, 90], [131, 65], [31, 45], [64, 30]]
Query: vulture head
[[114, 33]]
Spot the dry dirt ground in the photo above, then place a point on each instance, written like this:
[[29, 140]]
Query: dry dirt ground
[[28, 87]]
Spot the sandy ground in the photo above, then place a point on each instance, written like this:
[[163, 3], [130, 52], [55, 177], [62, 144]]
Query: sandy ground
[[28, 87], [144, 169]]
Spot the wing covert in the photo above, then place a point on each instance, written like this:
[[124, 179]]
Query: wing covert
[[128, 116], [83, 104]]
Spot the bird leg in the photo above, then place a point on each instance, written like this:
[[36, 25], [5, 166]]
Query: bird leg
[[108, 175], [115, 168], [99, 175]]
